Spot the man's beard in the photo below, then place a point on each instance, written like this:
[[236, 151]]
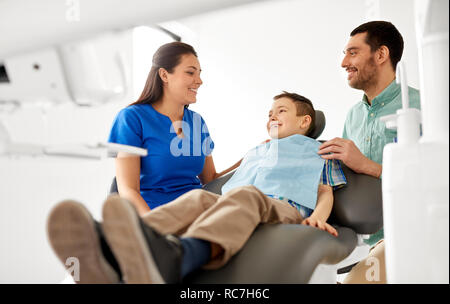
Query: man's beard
[[367, 76]]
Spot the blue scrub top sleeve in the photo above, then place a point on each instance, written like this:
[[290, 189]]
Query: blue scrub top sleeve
[[127, 129]]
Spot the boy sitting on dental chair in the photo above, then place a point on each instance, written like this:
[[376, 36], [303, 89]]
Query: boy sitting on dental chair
[[283, 180]]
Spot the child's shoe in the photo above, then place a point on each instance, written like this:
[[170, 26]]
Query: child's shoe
[[144, 255], [73, 233]]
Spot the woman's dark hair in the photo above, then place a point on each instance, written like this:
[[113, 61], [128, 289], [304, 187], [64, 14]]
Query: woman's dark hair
[[168, 56], [382, 33]]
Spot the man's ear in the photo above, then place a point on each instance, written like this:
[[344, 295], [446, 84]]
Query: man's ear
[[163, 75], [382, 54]]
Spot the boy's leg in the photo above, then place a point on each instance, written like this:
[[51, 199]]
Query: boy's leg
[[230, 222], [176, 216], [147, 256]]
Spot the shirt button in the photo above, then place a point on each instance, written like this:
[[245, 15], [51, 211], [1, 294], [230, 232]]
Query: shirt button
[[368, 138], [371, 114], [382, 104]]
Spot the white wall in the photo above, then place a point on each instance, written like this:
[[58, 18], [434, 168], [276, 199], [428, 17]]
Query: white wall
[[248, 54], [251, 53]]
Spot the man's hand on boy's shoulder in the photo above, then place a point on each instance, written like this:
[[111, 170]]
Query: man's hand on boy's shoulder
[[347, 151], [312, 221]]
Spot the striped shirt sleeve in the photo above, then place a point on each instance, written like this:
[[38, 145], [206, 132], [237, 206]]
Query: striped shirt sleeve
[[332, 174]]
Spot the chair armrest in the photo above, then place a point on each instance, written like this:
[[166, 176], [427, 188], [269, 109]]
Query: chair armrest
[[113, 187], [215, 186], [358, 205]]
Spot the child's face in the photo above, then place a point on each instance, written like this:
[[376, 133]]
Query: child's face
[[283, 119]]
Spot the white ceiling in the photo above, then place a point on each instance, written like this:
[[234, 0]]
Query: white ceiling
[[26, 25]]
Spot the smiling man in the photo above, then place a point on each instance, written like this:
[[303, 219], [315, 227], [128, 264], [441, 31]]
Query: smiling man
[[371, 58]]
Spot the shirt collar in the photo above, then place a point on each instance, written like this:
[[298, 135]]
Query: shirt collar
[[386, 96]]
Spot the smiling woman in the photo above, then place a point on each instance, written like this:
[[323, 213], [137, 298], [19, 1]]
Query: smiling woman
[[160, 121]]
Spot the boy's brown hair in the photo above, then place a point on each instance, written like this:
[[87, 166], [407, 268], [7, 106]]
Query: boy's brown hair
[[304, 107]]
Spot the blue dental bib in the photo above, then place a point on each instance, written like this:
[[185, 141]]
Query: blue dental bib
[[289, 167]]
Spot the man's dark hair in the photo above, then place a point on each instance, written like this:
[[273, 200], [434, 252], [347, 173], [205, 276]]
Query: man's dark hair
[[304, 107], [382, 33]]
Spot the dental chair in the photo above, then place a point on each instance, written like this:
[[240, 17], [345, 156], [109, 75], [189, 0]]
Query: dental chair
[[289, 253]]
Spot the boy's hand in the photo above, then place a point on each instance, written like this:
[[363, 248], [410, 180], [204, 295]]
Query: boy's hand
[[311, 221]]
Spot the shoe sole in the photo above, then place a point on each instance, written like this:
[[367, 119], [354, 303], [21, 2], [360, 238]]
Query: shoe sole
[[124, 234], [72, 234]]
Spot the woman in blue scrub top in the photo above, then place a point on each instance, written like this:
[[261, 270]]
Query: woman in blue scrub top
[[177, 139]]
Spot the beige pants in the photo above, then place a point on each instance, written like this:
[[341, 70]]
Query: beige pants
[[226, 220], [371, 270]]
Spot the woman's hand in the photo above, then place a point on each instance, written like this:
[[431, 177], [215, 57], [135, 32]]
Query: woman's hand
[[209, 170], [311, 221]]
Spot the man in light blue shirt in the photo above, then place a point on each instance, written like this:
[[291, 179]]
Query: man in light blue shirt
[[371, 57]]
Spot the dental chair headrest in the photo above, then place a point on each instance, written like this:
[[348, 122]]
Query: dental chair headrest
[[319, 125]]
